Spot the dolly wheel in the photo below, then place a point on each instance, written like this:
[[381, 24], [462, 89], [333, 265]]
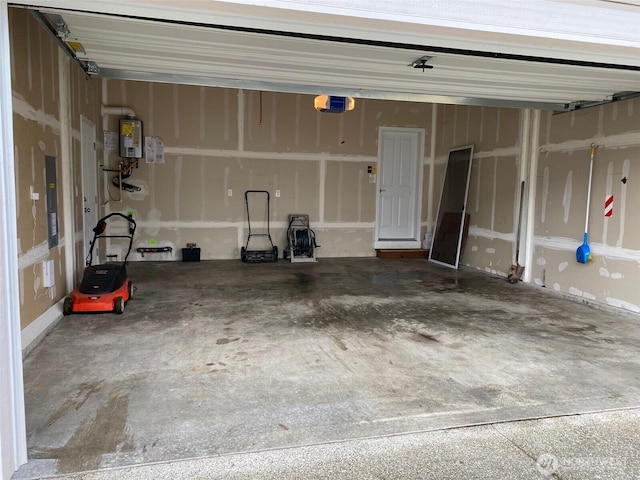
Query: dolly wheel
[[275, 254], [67, 306], [119, 307], [243, 254], [131, 290]]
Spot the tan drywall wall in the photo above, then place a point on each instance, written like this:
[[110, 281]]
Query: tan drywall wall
[[613, 275], [493, 185], [223, 139], [35, 85]]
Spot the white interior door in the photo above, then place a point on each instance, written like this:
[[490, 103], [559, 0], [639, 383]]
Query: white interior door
[[89, 183], [400, 153]]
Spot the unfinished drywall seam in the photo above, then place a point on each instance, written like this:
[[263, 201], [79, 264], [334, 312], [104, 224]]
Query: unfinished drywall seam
[[28, 112], [155, 223], [241, 113], [626, 167], [29, 62], [545, 193], [150, 117], [296, 190], [248, 154], [274, 120], [362, 104], [105, 152], [318, 129], [66, 162], [529, 213], [497, 152], [432, 168], [123, 91], [360, 183], [227, 109], [570, 245], [203, 189], [466, 135], [296, 138], [339, 188], [202, 112], [455, 125], [566, 199], [478, 184], [42, 69], [225, 183], [176, 110], [494, 194], [274, 214], [322, 179], [631, 139], [476, 231], [178, 183]]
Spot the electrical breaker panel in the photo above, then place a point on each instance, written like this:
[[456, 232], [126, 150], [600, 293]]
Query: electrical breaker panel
[[131, 138]]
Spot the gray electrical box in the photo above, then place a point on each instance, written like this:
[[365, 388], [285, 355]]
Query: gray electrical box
[[131, 138], [52, 200]]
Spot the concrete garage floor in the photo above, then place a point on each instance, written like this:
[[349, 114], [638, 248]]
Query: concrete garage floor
[[221, 357]]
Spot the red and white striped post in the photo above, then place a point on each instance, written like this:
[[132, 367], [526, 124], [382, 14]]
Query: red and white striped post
[[608, 206]]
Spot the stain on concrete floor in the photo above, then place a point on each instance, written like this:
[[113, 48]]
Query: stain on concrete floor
[[217, 357]]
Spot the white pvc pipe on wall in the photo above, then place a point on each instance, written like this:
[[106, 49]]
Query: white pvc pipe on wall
[[122, 111], [13, 441]]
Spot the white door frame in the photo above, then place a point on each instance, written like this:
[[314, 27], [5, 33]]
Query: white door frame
[[415, 241], [13, 438]]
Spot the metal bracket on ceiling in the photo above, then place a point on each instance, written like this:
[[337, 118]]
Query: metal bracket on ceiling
[[59, 31], [422, 63], [616, 97]]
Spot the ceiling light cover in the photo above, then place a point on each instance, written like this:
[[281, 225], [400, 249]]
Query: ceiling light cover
[[333, 104]]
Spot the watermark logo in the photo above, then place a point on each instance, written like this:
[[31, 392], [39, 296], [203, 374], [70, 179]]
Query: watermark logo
[[548, 464]]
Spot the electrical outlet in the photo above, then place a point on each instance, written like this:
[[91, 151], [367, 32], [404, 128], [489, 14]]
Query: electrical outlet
[[278, 193], [48, 275], [229, 193]]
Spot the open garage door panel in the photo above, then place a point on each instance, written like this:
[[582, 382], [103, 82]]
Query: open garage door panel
[[188, 52]]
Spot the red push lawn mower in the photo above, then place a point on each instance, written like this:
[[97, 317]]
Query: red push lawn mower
[[106, 287]]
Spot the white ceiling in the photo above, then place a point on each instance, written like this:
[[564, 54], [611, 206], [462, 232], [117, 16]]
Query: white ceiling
[[327, 51]]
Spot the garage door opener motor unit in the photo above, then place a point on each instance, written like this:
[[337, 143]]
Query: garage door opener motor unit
[[301, 240]]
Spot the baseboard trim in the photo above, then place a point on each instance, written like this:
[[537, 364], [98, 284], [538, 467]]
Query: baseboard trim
[[33, 333], [387, 244]]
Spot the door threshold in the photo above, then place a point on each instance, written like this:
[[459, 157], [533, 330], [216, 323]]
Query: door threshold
[[402, 253]]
